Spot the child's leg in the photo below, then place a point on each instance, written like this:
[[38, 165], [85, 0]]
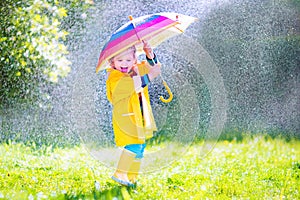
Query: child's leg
[[138, 149], [124, 164], [134, 170]]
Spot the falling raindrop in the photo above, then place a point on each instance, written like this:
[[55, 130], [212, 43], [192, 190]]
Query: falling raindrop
[[237, 68]]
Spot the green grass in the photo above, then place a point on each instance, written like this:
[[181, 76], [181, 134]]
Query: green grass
[[257, 168]]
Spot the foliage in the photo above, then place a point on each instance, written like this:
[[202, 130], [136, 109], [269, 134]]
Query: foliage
[[257, 168], [32, 45]]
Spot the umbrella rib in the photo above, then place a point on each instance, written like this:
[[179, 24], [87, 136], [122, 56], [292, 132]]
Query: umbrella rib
[[131, 20]]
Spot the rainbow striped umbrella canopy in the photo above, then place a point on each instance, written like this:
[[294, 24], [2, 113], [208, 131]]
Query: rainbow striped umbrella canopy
[[154, 28]]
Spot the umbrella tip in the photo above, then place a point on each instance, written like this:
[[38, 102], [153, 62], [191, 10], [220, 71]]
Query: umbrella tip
[[130, 17]]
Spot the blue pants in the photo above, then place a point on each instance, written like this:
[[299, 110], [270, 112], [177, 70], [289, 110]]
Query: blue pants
[[138, 149]]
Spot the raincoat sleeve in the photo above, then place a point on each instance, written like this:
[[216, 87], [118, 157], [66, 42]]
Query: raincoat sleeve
[[144, 68], [142, 80]]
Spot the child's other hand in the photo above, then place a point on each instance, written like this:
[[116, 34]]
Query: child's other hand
[[148, 50], [154, 71]]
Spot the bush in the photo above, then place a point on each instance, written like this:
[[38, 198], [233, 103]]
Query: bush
[[32, 45]]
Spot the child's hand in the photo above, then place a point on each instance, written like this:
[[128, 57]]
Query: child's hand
[[148, 50], [154, 71]]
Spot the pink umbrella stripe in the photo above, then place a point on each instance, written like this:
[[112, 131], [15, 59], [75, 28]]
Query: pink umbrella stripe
[[113, 51], [145, 23], [148, 33], [142, 32], [116, 44]]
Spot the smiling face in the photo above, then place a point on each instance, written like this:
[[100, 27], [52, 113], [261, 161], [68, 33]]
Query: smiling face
[[124, 61]]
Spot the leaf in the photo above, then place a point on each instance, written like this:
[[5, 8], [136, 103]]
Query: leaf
[[62, 12], [18, 73]]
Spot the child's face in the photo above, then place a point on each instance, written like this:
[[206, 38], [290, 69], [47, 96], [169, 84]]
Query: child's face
[[125, 61]]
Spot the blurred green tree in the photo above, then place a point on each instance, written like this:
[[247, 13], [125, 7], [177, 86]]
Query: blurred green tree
[[33, 39]]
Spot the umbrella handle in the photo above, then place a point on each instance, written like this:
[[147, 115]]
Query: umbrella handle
[[169, 92]]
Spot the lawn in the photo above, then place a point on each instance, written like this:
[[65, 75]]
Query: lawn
[[255, 168]]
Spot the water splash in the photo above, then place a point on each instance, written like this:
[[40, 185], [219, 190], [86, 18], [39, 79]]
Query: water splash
[[254, 45], [220, 37], [177, 122]]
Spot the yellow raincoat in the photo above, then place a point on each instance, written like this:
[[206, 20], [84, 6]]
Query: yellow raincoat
[[129, 124]]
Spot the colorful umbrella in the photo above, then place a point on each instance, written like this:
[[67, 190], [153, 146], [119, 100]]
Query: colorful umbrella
[[154, 28]]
